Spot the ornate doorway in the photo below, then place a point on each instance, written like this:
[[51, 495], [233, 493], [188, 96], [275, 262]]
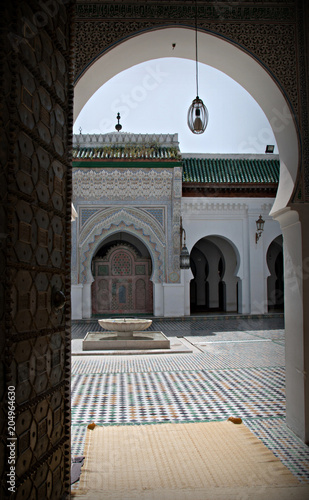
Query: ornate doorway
[[122, 282]]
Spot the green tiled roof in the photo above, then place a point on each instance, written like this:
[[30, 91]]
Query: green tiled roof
[[194, 170], [230, 171], [126, 152]]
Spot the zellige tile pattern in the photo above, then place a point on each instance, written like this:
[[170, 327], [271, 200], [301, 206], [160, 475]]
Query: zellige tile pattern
[[238, 370]]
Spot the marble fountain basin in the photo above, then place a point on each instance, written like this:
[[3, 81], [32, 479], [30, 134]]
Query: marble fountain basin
[[125, 326], [125, 334]]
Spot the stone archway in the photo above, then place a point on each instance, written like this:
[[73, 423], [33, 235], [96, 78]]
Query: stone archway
[[266, 80], [215, 51], [131, 220]]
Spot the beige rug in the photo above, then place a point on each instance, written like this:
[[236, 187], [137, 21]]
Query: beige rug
[[178, 461]]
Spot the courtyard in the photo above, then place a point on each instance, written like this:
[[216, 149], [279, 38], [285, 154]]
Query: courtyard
[[231, 366]]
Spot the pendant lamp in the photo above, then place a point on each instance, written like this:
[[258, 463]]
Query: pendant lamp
[[197, 112]]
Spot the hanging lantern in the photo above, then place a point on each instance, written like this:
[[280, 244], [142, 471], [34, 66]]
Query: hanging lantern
[[197, 116], [197, 112], [184, 259], [259, 228]]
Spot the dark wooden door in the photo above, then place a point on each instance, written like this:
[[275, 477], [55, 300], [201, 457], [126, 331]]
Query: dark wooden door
[[122, 283], [35, 185]]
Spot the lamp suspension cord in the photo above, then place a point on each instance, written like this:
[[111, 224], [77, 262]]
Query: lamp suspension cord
[[196, 57]]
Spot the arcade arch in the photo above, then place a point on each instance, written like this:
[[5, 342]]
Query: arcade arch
[[275, 280], [223, 55], [107, 225], [214, 284]]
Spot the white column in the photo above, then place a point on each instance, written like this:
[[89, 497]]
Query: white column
[[158, 297], [186, 277], [231, 289], [87, 309], [294, 225], [77, 301], [258, 290], [244, 271], [213, 279], [173, 300]]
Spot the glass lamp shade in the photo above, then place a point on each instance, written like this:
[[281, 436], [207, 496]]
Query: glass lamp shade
[[197, 116], [184, 258]]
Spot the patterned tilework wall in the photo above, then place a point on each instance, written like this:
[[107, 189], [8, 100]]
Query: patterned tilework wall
[[158, 213], [86, 213]]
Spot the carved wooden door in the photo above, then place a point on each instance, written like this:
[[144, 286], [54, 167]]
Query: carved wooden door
[[122, 283], [36, 119]]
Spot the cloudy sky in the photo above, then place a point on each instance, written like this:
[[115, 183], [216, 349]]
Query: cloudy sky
[[154, 97]]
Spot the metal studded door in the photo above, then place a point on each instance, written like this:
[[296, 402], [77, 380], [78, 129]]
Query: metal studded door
[[35, 184]]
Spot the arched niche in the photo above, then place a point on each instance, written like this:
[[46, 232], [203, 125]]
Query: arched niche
[[132, 221]]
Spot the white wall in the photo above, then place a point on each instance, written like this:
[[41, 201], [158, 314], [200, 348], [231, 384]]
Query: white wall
[[234, 219]]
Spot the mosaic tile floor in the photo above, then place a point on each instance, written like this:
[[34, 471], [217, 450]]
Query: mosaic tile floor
[[123, 398], [236, 372], [206, 325]]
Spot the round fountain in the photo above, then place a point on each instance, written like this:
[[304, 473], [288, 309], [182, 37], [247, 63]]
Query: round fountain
[[125, 327], [125, 334]]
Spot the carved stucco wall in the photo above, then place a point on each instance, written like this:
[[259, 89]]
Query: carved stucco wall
[[132, 220], [271, 32], [146, 203]]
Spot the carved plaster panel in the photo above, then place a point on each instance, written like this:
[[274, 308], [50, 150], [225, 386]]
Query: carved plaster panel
[[122, 184], [274, 33], [201, 206], [267, 32], [131, 220], [176, 211]]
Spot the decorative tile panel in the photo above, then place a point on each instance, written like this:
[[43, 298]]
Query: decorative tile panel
[[86, 213], [158, 214]]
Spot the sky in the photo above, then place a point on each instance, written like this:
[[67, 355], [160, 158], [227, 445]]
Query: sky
[[154, 97]]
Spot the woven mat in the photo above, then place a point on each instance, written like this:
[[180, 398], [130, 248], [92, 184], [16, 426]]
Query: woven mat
[[177, 461]]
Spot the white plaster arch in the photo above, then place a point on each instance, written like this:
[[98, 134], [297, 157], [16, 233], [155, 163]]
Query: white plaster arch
[[220, 53], [270, 274], [226, 246], [228, 252], [270, 236], [195, 233], [270, 233], [128, 219]]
